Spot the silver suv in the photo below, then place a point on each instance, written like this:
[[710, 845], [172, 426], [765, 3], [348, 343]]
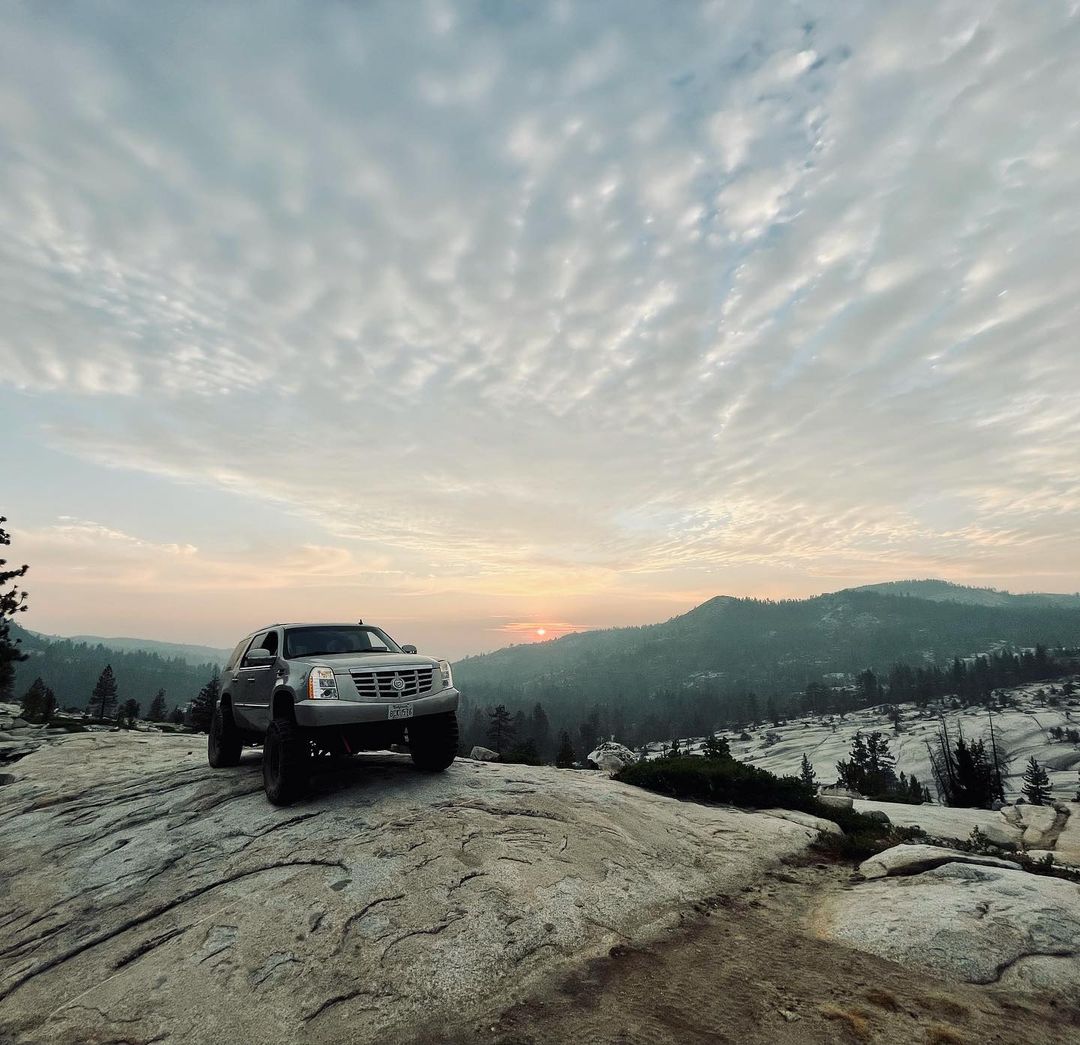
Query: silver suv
[[304, 690]]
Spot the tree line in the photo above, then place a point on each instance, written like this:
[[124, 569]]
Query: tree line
[[536, 732]]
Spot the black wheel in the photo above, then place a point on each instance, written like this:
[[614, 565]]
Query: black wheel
[[433, 741], [286, 762], [223, 746]]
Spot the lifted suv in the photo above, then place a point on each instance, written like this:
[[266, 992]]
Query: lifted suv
[[302, 690]]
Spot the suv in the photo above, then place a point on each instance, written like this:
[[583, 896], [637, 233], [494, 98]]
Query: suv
[[302, 690]]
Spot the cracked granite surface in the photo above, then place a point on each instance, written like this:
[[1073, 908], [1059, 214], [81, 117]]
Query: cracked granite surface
[[145, 897]]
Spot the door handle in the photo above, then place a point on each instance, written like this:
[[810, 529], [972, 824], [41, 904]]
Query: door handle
[[250, 678]]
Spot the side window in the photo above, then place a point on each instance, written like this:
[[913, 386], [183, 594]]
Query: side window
[[234, 657], [260, 641], [270, 642]]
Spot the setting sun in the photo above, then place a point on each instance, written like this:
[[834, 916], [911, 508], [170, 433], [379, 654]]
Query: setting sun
[[541, 631]]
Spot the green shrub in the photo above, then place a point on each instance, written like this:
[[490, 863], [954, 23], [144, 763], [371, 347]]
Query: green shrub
[[721, 780], [726, 781]]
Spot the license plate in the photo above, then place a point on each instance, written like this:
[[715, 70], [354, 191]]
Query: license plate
[[400, 711]]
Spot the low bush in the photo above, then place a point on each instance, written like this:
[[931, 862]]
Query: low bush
[[726, 781], [721, 780]]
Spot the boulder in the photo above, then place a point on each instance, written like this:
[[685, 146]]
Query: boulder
[[815, 823], [836, 801], [1037, 823], [612, 756], [979, 923], [483, 754], [914, 859], [946, 822], [1067, 847], [388, 905], [879, 816]]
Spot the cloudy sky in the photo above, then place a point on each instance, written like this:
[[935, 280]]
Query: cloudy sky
[[480, 318]]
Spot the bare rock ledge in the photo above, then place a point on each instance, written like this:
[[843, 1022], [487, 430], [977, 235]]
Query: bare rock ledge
[[144, 896]]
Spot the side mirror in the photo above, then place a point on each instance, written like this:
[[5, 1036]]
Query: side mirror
[[408, 648], [257, 657]]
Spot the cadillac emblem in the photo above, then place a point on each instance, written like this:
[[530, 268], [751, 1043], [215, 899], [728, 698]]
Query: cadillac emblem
[[397, 684]]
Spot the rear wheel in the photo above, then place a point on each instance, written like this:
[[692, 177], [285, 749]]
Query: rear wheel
[[433, 741], [286, 762], [223, 746]]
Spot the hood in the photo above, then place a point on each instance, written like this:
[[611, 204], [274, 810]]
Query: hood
[[343, 663]]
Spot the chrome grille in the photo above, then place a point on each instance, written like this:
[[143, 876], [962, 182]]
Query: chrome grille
[[379, 685]]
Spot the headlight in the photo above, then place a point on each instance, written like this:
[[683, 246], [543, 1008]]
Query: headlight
[[321, 684], [446, 673]]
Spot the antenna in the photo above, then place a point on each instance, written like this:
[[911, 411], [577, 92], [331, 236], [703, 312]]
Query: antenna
[[359, 622]]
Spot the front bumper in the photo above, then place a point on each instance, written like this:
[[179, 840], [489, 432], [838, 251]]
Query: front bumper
[[314, 713]]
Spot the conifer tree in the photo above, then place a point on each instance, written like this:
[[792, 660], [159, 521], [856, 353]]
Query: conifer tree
[[103, 701], [807, 774], [157, 708], [202, 707], [33, 700], [500, 727], [176, 717], [565, 757], [1036, 783], [12, 601], [716, 747], [128, 713]]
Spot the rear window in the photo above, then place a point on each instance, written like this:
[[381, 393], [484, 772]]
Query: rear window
[[324, 640]]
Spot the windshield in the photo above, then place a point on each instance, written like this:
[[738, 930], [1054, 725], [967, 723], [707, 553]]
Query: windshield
[[327, 640]]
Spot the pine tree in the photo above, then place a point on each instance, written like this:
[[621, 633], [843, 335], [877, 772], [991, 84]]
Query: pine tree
[[12, 601], [716, 747], [1036, 783], [103, 701], [589, 732], [807, 774], [33, 700], [870, 769], [157, 710], [565, 757], [540, 730], [500, 727], [202, 707], [176, 717], [128, 713]]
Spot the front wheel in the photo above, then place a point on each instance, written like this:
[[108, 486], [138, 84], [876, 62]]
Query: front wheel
[[286, 758], [223, 746], [433, 741]]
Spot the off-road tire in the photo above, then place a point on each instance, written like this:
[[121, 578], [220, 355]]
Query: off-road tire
[[433, 741], [224, 745], [286, 762]]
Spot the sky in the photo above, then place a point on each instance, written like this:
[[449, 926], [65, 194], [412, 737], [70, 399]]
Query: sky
[[490, 321]]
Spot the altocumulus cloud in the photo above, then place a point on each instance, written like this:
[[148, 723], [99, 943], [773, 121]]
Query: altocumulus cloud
[[561, 293]]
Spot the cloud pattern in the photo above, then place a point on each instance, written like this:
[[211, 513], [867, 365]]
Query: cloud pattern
[[564, 297]]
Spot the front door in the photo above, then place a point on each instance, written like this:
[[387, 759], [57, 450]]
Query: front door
[[255, 683]]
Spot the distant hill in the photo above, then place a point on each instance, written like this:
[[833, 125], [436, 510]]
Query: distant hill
[[71, 667], [944, 591], [728, 646], [192, 654]]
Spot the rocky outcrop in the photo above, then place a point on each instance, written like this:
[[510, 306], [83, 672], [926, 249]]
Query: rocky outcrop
[[483, 754], [18, 738], [983, 924], [914, 859], [145, 895], [612, 756]]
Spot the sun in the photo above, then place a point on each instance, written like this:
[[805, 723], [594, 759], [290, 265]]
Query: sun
[[541, 632]]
